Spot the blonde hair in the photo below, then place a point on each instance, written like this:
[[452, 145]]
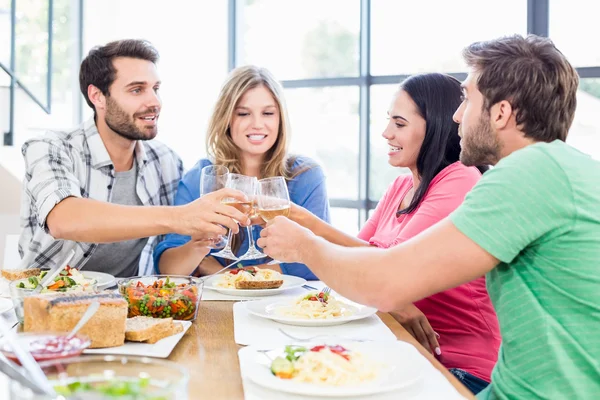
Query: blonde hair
[[220, 146]]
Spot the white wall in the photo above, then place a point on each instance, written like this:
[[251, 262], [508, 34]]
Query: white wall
[[11, 173]]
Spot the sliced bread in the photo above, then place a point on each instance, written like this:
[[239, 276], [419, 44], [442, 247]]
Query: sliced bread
[[139, 329], [16, 274], [176, 327], [258, 284]]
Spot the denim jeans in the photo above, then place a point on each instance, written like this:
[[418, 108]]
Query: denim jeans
[[473, 383]]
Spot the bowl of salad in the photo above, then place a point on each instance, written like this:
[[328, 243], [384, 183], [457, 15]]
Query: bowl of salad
[[107, 377], [68, 280], [162, 296]]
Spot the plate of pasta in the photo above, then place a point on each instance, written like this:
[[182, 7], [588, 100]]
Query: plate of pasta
[[253, 282], [334, 369], [312, 309]]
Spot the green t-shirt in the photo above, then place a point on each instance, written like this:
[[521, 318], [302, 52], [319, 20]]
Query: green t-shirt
[[538, 212]]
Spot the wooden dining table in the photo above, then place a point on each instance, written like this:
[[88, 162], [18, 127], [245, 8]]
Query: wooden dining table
[[210, 353]]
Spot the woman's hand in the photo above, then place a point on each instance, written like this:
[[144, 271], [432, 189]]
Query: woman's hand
[[416, 323], [301, 215]]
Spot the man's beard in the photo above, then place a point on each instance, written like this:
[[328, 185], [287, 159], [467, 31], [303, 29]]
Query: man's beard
[[480, 145], [124, 125]]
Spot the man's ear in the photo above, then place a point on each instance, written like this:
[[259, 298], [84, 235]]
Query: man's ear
[[501, 114], [96, 97]]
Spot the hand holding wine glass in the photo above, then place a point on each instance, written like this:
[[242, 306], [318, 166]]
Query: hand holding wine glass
[[213, 178], [273, 200], [246, 185]]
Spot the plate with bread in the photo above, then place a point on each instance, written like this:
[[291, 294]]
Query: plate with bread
[[253, 282], [148, 337], [110, 331]]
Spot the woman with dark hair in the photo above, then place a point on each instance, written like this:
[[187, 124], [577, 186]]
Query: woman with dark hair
[[459, 325]]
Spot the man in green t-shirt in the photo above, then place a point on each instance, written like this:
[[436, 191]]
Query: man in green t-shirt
[[532, 224]]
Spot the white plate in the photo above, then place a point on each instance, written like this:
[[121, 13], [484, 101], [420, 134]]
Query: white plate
[[289, 282], [268, 309], [5, 305], [104, 280], [401, 366], [160, 349]]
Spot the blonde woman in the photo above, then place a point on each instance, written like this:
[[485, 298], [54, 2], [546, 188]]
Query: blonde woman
[[249, 134]]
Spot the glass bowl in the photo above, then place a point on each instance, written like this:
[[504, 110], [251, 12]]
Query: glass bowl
[[47, 346], [111, 377], [162, 296], [18, 294]]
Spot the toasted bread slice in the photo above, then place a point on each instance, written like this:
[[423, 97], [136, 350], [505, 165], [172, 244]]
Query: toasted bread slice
[[176, 328], [258, 284], [15, 274], [139, 329]]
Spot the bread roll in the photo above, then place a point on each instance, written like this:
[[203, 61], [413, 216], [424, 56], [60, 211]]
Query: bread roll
[[60, 312]]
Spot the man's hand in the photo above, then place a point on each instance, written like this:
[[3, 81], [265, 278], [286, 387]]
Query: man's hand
[[416, 323], [207, 217], [284, 240]]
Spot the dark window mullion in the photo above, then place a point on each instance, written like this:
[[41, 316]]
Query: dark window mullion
[[364, 149]]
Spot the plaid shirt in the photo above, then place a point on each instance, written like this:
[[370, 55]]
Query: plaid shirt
[[63, 164]]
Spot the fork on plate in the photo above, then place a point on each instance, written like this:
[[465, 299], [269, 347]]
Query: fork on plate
[[326, 290], [308, 339]]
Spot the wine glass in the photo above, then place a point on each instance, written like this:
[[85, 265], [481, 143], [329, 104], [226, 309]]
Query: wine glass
[[213, 178], [253, 253], [246, 185], [273, 200]]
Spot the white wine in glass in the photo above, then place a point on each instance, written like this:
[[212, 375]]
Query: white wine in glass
[[273, 200], [244, 207], [271, 212]]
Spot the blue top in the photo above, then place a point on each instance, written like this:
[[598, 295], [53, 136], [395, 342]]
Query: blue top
[[306, 190]]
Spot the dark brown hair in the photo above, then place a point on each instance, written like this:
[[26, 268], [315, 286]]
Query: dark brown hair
[[97, 68], [531, 74], [436, 96]]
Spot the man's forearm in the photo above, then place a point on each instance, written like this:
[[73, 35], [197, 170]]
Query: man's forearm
[[433, 261], [87, 220]]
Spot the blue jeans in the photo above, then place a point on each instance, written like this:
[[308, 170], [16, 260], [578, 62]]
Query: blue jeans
[[473, 383]]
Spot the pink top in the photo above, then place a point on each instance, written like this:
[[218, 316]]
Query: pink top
[[464, 316]]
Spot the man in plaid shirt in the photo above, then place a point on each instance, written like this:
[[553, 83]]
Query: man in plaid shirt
[[106, 189]]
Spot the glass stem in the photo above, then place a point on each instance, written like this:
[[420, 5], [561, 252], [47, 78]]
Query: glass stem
[[227, 248], [251, 238]]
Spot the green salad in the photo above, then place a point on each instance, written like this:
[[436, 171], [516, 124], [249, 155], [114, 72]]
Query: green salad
[[139, 389], [69, 279]]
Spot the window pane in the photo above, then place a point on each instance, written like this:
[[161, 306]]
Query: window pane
[[32, 47], [585, 131], [32, 58], [300, 39], [5, 34], [381, 174], [345, 219], [570, 24], [192, 67], [325, 126], [429, 35]]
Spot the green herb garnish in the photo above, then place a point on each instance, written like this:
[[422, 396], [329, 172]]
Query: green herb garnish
[[293, 353]]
